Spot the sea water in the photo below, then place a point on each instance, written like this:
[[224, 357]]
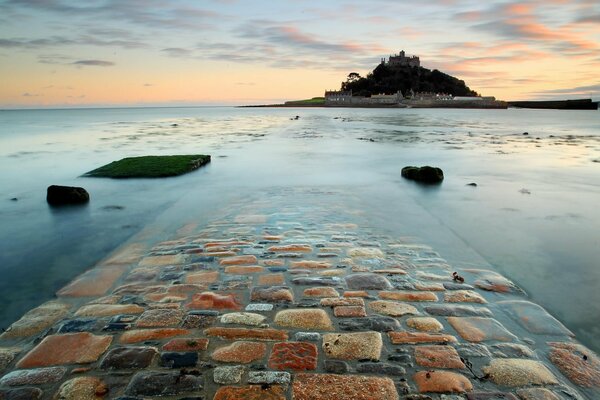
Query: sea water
[[532, 215]]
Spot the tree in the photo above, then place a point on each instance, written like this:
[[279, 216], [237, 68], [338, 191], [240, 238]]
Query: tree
[[353, 77]]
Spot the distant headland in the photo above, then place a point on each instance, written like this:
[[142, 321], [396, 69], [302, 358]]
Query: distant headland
[[401, 82]]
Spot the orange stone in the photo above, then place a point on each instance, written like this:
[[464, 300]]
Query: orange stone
[[479, 329], [349, 311], [226, 244], [342, 301], [159, 318], [291, 248], [430, 286], [142, 335], [310, 264], [94, 282], [390, 271], [202, 277], [239, 260], [419, 337], [324, 291], [105, 310], [356, 293], [408, 296], [244, 333], [464, 296], [438, 357], [209, 300], [250, 392], [576, 362], [334, 386], [271, 279], [274, 263], [296, 356], [272, 237], [442, 382], [71, 348], [220, 253], [37, 320], [243, 270], [240, 352], [186, 344]]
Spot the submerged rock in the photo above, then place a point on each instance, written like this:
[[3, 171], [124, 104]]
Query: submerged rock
[[62, 195], [424, 174]]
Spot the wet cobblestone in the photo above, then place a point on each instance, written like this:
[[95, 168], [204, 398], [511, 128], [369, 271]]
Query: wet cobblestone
[[268, 304]]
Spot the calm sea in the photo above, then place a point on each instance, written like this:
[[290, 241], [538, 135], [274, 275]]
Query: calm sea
[[533, 215]]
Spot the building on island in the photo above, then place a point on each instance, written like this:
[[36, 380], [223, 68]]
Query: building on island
[[345, 98], [338, 97], [401, 60]]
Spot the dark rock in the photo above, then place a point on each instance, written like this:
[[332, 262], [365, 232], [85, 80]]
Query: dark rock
[[61, 195], [373, 323], [511, 350], [178, 360], [400, 358], [78, 325], [115, 327], [27, 393], [380, 368], [491, 396], [525, 133], [277, 269], [14, 199], [457, 286], [336, 367], [472, 350], [450, 310], [366, 281], [424, 174], [472, 184], [164, 383], [129, 358], [195, 321]]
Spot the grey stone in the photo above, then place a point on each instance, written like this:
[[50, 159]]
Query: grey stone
[[452, 310], [317, 281], [534, 318], [269, 377], [164, 383], [172, 359], [78, 325], [491, 396], [367, 281], [472, 350], [511, 350], [259, 307], [38, 376], [27, 393], [457, 286], [380, 368], [307, 336], [129, 358], [373, 323], [197, 321], [228, 375], [336, 366]]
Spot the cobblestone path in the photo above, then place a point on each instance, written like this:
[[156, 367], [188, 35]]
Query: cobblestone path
[[294, 304]]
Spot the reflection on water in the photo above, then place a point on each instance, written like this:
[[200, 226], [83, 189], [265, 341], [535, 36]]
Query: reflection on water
[[532, 215]]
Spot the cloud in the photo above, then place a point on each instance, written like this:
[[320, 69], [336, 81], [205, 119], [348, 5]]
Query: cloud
[[148, 84], [27, 94], [177, 52], [577, 89], [94, 63]]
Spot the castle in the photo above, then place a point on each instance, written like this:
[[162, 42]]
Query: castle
[[402, 60]]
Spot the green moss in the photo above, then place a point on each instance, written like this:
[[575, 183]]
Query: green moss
[[313, 101], [151, 166]]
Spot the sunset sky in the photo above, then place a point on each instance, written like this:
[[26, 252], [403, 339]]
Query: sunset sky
[[56, 53]]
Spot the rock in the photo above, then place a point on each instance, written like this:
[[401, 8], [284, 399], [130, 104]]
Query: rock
[[159, 318], [309, 264], [534, 318], [472, 184], [269, 377], [371, 323], [243, 269], [424, 324], [62, 195], [259, 307], [365, 252], [106, 310], [392, 308], [240, 352], [209, 300], [576, 362], [243, 333], [473, 350], [333, 386], [491, 396], [438, 357], [307, 336], [202, 277], [174, 359], [239, 260], [424, 174], [271, 279], [464, 296], [304, 319], [451, 310], [321, 292], [420, 337], [129, 358], [243, 318], [7, 355], [95, 282], [353, 346], [442, 382], [291, 248], [250, 392], [341, 301], [478, 329], [78, 325], [228, 375], [380, 368], [537, 394], [511, 350], [161, 261], [317, 281], [37, 320], [153, 383], [408, 296], [349, 311], [82, 388], [186, 344], [366, 281], [196, 321], [142, 335], [514, 372], [70, 348], [272, 294], [336, 366], [38, 376], [296, 356], [26, 393]]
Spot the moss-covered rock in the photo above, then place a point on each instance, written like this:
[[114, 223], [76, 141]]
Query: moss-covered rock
[[151, 166], [424, 174]]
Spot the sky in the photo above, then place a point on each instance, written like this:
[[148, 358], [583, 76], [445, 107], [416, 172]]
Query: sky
[[56, 53]]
